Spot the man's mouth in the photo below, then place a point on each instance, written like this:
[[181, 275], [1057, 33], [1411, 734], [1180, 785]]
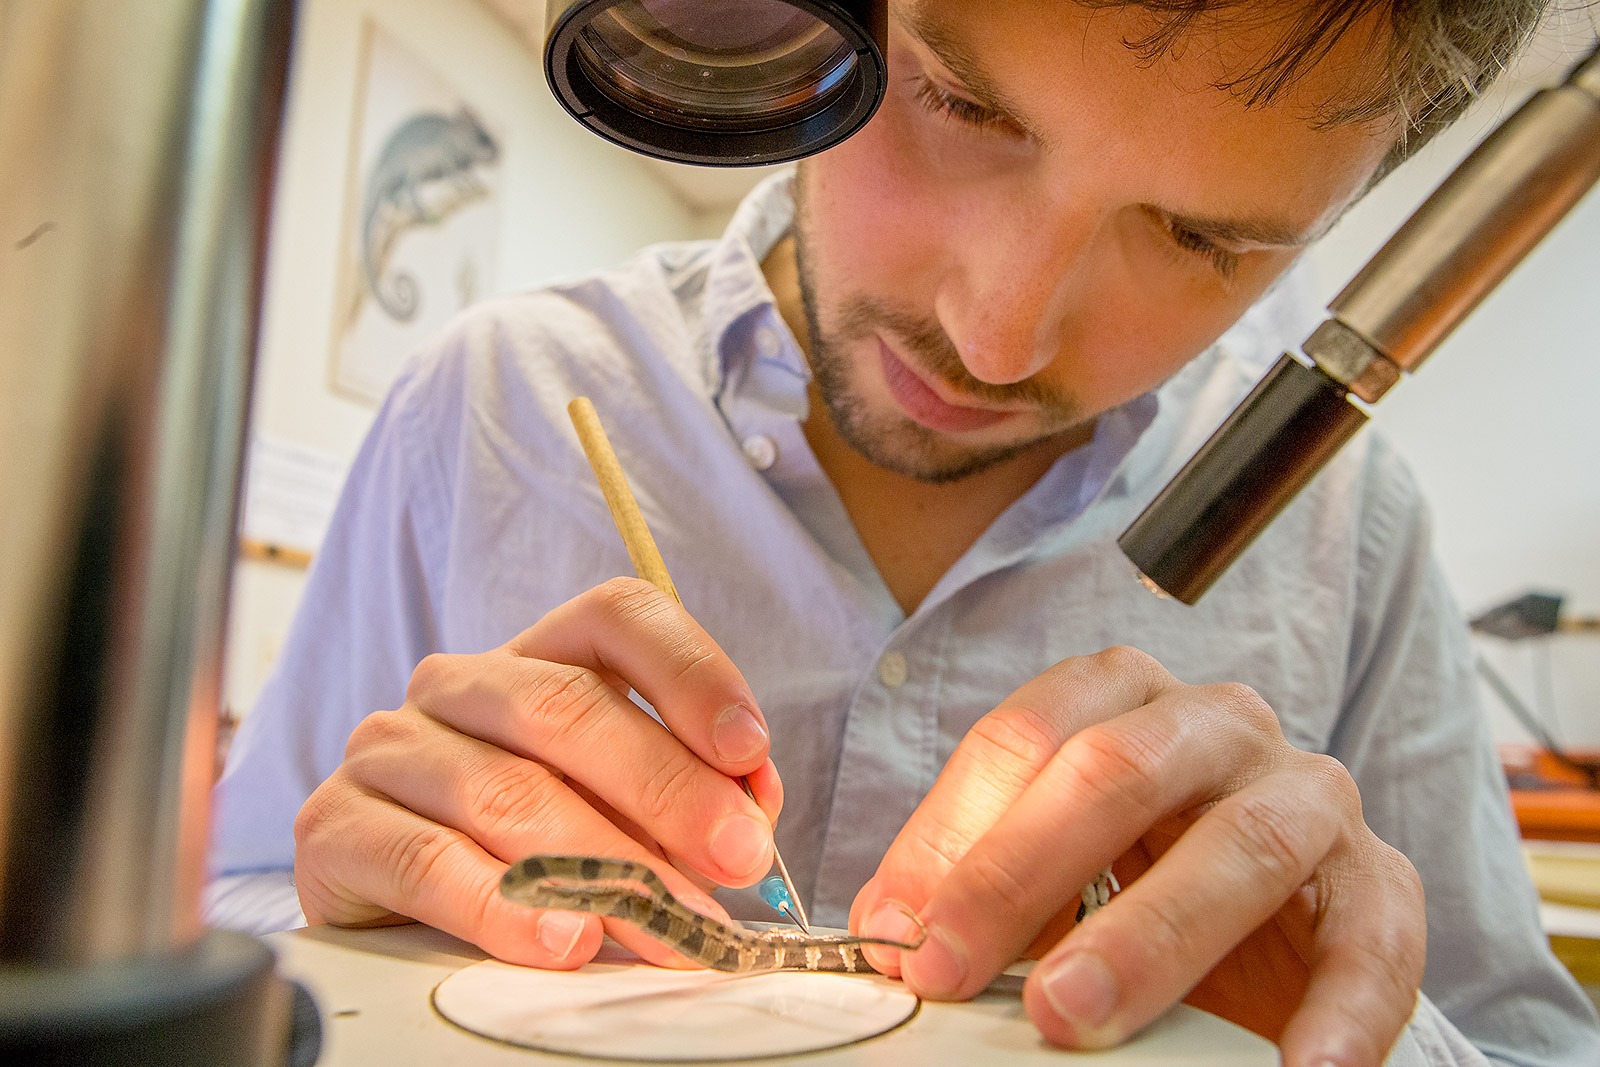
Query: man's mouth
[[928, 408]]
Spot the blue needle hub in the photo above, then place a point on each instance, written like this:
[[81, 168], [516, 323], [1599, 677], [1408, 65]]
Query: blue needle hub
[[776, 896]]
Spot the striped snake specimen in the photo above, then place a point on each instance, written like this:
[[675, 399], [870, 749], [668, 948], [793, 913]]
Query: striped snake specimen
[[632, 892]]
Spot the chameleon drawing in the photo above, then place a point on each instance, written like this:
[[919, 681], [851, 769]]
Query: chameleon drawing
[[426, 171]]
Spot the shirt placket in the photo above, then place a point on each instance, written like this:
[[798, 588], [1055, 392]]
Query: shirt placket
[[889, 759]]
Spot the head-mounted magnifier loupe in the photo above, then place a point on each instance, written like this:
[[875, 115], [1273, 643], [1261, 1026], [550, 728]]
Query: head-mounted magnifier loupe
[[719, 82]]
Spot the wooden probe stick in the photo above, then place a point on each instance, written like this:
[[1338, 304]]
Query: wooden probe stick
[[647, 561], [625, 511]]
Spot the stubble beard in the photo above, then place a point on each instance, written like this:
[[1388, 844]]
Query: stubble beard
[[890, 439]]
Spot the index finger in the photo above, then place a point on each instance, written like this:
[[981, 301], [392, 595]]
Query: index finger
[[628, 630], [989, 771]]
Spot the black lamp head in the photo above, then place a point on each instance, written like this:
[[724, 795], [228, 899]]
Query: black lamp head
[[719, 82]]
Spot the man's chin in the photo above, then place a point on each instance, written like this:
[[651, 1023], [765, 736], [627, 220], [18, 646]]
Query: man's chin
[[919, 453]]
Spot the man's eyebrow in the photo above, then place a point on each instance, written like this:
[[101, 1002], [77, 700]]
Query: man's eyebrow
[[960, 61], [975, 80], [1254, 231]]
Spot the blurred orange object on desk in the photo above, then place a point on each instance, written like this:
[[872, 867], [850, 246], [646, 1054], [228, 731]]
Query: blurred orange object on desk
[[1552, 801]]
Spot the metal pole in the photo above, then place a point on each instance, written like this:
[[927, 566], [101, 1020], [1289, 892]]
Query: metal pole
[[136, 145]]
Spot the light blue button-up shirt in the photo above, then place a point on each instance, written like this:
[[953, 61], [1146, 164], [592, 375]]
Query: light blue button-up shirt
[[471, 511]]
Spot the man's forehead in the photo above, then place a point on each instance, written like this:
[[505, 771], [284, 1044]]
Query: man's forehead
[[1021, 57], [1288, 53]]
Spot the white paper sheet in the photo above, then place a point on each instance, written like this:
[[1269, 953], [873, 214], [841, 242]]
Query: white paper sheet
[[639, 1012], [289, 492]]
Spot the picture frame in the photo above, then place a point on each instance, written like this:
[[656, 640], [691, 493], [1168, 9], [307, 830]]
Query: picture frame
[[422, 206]]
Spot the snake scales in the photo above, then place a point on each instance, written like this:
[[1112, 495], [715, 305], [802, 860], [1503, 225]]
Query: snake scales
[[632, 892]]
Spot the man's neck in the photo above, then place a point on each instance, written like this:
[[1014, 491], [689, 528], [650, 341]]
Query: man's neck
[[913, 530]]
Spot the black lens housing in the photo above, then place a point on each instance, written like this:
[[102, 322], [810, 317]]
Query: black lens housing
[[863, 24], [1274, 442]]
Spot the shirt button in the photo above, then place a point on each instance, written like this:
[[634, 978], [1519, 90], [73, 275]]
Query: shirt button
[[892, 669], [761, 451], [767, 343]]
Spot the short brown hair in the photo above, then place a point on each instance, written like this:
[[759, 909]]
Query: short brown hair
[[1441, 54]]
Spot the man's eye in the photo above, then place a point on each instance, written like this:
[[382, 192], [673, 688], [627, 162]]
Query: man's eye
[[941, 101], [1222, 261]]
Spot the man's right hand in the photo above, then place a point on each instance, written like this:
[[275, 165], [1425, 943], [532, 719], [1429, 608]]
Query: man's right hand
[[535, 747]]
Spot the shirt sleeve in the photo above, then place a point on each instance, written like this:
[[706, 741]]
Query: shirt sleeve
[[1413, 736], [367, 617], [1431, 1040]]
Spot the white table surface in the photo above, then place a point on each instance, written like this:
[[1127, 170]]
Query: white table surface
[[373, 988]]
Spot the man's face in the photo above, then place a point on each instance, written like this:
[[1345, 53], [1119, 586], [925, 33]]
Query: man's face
[[1038, 226]]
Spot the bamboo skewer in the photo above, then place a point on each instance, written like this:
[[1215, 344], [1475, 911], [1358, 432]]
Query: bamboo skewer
[[647, 561]]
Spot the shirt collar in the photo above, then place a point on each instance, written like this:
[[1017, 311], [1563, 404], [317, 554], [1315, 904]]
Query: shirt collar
[[735, 285]]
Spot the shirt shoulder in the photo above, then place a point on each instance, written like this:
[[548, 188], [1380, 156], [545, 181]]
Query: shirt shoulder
[[626, 331]]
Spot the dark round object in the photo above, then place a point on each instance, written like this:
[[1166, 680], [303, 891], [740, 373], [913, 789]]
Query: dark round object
[[217, 1004], [719, 82]]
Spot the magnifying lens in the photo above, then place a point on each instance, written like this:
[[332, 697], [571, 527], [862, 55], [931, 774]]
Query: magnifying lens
[[719, 82]]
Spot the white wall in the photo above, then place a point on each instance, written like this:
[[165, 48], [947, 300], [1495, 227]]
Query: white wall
[[570, 203], [1502, 425]]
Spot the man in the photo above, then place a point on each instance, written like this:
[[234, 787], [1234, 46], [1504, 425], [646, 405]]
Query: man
[[886, 432]]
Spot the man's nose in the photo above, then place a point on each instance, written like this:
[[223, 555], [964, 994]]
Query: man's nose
[[1007, 291]]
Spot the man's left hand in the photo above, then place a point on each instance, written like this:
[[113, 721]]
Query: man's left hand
[[1254, 889]]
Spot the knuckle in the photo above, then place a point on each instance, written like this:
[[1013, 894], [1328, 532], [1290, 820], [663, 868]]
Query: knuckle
[[1246, 705], [626, 599], [998, 887], [413, 859], [480, 913], [516, 795], [1407, 875], [558, 696], [431, 673], [633, 603], [692, 658], [321, 810], [1165, 933], [919, 860], [1125, 659], [1116, 761], [1403, 882], [1335, 779], [381, 728], [663, 792], [1394, 954], [1271, 835], [1021, 733]]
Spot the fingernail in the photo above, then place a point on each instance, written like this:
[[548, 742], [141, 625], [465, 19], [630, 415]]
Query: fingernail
[[738, 735], [1082, 990], [892, 921], [558, 932], [937, 969], [742, 846]]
